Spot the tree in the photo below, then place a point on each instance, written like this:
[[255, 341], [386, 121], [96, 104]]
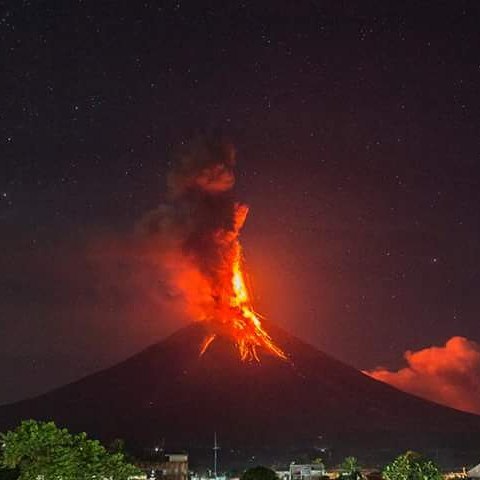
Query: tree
[[117, 445], [41, 449], [350, 469], [411, 466], [259, 473]]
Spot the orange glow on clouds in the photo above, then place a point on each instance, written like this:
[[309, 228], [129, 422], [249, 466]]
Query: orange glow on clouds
[[449, 375]]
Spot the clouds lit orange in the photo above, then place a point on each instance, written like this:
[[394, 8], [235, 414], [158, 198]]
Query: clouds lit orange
[[449, 374]]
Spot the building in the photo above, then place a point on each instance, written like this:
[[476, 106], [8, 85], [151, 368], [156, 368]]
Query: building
[[172, 466], [474, 472], [175, 467], [312, 471]]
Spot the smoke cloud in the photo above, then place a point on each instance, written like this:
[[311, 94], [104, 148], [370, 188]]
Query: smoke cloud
[[449, 374], [194, 240], [194, 237]]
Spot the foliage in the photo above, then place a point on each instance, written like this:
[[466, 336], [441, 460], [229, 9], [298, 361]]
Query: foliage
[[117, 445], [42, 449], [411, 466], [259, 473], [350, 469]]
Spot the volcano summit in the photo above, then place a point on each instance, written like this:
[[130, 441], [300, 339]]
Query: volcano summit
[[170, 392]]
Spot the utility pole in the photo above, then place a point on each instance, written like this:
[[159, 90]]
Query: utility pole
[[216, 448]]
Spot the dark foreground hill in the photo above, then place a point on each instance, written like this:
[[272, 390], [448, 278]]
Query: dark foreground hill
[[167, 392]]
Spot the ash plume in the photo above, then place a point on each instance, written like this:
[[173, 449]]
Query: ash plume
[[195, 234], [195, 238]]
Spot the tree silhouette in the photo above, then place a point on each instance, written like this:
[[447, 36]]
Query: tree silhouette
[[259, 473], [411, 466], [40, 449]]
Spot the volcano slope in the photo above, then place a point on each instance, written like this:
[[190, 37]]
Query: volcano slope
[[170, 392]]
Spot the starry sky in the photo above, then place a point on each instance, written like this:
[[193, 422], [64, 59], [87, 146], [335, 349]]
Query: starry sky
[[357, 133]]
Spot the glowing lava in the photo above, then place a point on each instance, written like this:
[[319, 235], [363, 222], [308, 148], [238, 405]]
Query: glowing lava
[[195, 237], [233, 307]]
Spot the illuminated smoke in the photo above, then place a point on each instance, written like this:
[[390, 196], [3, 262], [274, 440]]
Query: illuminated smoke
[[195, 239], [449, 375]]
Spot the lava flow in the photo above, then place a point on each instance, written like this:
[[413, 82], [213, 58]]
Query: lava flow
[[234, 309], [196, 239]]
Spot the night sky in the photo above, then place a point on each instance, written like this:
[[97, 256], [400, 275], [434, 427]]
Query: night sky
[[357, 133]]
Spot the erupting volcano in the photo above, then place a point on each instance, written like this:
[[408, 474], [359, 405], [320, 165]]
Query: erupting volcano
[[208, 377], [232, 308], [197, 238]]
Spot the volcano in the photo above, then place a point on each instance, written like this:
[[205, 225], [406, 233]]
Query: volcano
[[169, 391]]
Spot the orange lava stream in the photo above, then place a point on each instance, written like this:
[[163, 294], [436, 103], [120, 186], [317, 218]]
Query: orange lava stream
[[235, 311], [206, 343], [247, 322]]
